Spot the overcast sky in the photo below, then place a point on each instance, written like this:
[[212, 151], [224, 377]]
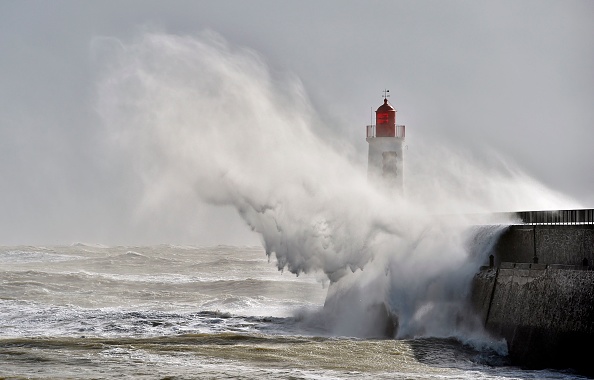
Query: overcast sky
[[515, 77]]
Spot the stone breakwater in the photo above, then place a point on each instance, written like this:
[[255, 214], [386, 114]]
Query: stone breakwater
[[549, 244], [539, 295]]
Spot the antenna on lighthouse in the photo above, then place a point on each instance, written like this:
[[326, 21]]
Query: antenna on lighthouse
[[386, 95]]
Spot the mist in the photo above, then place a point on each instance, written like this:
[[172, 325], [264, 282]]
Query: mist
[[197, 119]]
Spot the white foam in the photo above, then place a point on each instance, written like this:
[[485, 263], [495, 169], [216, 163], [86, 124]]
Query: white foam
[[210, 121]]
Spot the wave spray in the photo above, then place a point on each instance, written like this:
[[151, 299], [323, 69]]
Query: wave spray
[[200, 118]]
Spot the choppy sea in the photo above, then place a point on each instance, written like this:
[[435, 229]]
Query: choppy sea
[[176, 312]]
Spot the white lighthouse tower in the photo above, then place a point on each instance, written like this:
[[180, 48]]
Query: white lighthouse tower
[[385, 138]]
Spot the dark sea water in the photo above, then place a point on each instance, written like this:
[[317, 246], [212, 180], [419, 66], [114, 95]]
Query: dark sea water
[[173, 312]]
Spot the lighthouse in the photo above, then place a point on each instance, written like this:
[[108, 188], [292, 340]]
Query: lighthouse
[[385, 138]]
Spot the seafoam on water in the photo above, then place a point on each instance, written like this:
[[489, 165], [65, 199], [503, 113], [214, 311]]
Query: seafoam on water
[[95, 312]]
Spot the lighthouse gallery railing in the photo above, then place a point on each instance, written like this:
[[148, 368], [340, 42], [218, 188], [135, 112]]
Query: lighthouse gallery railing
[[400, 131]]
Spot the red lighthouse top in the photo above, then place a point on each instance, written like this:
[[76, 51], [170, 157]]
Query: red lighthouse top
[[385, 120]]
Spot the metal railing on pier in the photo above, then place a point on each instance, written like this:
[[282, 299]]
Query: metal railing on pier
[[556, 217]]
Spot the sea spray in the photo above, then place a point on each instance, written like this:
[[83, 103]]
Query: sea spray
[[418, 287], [199, 118]]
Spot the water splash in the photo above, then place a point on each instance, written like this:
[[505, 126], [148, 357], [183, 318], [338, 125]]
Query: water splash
[[201, 118]]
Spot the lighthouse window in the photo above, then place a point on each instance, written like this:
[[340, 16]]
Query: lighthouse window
[[382, 118]]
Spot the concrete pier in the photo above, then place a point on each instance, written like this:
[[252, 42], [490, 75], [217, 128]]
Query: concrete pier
[[550, 244], [538, 294], [545, 313]]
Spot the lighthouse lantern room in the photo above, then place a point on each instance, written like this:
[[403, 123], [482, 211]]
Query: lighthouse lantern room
[[385, 138]]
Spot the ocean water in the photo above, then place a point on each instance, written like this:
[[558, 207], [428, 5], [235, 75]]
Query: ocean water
[[175, 312]]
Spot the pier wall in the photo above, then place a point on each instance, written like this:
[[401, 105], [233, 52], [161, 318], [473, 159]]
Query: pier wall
[[544, 310], [551, 244], [545, 314]]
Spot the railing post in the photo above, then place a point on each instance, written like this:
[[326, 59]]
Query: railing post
[[535, 258]]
